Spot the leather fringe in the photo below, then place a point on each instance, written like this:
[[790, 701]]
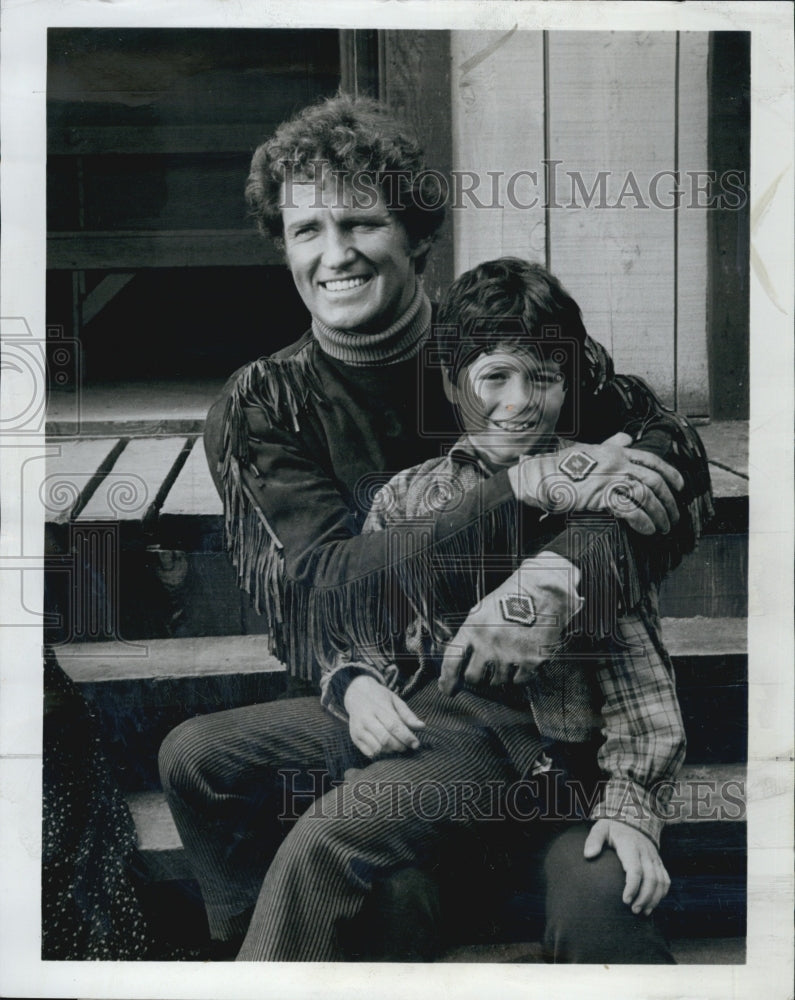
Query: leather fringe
[[440, 580]]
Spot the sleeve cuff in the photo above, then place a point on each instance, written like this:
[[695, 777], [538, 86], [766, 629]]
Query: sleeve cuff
[[334, 683], [630, 803]]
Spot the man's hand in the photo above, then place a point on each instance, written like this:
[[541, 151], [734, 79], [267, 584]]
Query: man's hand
[[379, 721], [487, 649], [632, 484], [647, 880]]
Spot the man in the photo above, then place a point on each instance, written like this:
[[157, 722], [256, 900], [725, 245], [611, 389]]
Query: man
[[298, 442]]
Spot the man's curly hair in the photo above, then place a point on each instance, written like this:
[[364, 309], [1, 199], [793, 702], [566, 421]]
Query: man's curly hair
[[348, 136]]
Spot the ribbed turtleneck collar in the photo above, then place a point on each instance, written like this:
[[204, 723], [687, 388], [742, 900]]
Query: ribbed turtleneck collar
[[398, 342]]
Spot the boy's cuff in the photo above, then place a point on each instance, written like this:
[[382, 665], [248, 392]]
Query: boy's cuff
[[630, 803], [334, 683], [552, 582]]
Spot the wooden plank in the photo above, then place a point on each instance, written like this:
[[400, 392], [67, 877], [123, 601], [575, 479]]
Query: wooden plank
[[611, 112], [130, 249], [696, 636], [726, 442], [727, 484], [94, 140], [108, 288], [74, 475], [239, 654], [91, 663], [129, 492], [709, 951], [498, 125], [692, 373], [193, 492], [157, 832], [713, 580], [686, 951]]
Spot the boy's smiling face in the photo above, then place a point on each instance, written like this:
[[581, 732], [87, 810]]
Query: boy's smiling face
[[510, 401]]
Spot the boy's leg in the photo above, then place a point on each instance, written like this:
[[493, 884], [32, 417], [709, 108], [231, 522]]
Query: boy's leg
[[221, 777], [586, 921]]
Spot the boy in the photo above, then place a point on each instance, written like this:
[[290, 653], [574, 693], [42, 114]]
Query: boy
[[425, 727]]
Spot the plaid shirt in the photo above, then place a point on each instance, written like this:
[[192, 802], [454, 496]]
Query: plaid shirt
[[623, 686]]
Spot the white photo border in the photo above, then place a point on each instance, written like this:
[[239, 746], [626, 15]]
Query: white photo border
[[768, 969]]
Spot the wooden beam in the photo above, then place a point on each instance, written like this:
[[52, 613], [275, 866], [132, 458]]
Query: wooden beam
[[729, 228], [155, 140], [108, 288], [133, 249], [204, 656], [359, 62], [415, 83]]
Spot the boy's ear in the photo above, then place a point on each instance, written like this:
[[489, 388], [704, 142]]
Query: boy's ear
[[450, 389]]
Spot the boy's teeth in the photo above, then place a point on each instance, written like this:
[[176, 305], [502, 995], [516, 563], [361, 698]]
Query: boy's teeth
[[343, 284], [506, 425]]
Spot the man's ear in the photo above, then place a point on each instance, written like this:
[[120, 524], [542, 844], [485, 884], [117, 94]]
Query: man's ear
[[421, 249]]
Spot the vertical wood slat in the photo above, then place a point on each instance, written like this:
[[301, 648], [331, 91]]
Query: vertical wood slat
[[359, 62], [692, 373], [611, 108], [415, 83], [498, 125]]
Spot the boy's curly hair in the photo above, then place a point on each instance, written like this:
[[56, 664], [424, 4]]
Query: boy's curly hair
[[348, 136]]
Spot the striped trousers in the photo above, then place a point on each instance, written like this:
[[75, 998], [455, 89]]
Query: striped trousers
[[278, 811]]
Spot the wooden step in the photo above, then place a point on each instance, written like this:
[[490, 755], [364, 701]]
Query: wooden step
[[706, 860], [140, 691], [203, 598], [704, 798], [686, 951], [187, 492], [157, 492], [160, 659]]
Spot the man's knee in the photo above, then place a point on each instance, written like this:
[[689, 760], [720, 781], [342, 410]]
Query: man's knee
[[182, 754]]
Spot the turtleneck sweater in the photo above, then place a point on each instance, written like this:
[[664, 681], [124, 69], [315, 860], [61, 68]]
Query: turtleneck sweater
[[398, 342]]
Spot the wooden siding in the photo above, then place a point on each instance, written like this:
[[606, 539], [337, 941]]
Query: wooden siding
[[633, 105]]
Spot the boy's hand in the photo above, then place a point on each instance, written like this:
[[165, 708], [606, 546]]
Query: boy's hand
[[488, 649], [632, 484], [647, 880], [379, 721]]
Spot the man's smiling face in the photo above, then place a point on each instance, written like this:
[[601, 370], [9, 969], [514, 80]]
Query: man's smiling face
[[349, 256]]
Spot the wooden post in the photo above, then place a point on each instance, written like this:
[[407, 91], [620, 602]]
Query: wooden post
[[415, 83], [729, 229]]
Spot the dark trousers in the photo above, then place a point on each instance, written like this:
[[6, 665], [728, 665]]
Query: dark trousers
[[268, 822]]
